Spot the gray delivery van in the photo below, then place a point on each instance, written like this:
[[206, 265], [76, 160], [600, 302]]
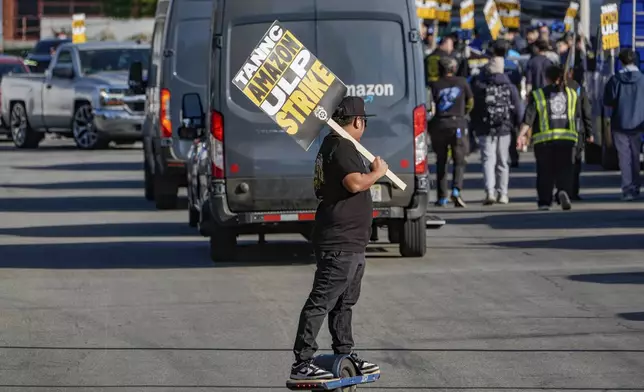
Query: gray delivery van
[[246, 175], [179, 64]]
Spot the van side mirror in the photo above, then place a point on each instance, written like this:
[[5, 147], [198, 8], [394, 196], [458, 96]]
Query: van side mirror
[[135, 79], [192, 117]]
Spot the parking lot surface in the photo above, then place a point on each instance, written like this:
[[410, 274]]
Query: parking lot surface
[[99, 291]]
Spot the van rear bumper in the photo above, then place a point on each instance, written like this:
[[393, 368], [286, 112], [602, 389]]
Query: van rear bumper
[[224, 217]]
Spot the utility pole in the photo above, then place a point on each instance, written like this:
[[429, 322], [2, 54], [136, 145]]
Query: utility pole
[[2, 26], [584, 18]]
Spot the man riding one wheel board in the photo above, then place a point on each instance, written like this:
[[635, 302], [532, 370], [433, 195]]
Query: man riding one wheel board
[[342, 231]]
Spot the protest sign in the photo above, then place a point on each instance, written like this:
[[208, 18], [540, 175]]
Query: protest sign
[[444, 11], [610, 26], [78, 29], [288, 83], [510, 12], [492, 18], [426, 9], [571, 14], [467, 15]]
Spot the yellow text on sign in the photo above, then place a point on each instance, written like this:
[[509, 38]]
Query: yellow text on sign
[[610, 41], [276, 64], [305, 98]]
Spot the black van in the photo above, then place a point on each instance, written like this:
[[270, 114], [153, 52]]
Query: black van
[[247, 176]]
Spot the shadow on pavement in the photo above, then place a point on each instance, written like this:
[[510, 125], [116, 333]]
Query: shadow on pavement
[[89, 166], [557, 219], [609, 242], [610, 278], [149, 255], [147, 229], [79, 204], [634, 316], [113, 184]]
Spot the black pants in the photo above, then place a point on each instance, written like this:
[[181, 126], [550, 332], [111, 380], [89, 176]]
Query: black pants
[[514, 153], [576, 175], [336, 288], [442, 139], [554, 167]]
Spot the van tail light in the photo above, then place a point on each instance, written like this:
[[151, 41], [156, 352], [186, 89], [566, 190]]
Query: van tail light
[[164, 114], [420, 140], [217, 131]]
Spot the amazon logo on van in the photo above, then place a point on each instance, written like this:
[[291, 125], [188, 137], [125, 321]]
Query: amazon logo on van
[[366, 90]]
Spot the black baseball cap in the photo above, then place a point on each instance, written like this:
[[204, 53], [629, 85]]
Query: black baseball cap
[[351, 107]]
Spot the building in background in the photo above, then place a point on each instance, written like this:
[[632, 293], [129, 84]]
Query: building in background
[[22, 19]]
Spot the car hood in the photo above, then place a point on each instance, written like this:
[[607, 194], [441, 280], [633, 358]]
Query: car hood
[[117, 79]]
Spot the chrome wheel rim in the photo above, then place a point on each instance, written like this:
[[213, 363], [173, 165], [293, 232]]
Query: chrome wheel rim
[[18, 125], [83, 128]]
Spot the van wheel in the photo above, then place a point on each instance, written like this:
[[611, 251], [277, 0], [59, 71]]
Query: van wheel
[[393, 232], [21, 132], [413, 241], [223, 244], [84, 131], [193, 217], [148, 182], [165, 194]]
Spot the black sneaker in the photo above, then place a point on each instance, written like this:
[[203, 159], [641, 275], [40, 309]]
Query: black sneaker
[[364, 367], [307, 370]]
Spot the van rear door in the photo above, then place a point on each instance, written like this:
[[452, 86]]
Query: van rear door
[[364, 42], [189, 41], [277, 171]]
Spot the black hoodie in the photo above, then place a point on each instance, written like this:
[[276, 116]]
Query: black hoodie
[[480, 106]]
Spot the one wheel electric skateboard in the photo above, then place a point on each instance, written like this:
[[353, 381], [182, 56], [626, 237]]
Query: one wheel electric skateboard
[[345, 371]]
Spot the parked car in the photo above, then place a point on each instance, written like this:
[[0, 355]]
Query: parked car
[[39, 58], [180, 44], [10, 65], [83, 94], [247, 176]]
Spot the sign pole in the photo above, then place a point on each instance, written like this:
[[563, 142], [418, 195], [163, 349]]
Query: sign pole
[[362, 150]]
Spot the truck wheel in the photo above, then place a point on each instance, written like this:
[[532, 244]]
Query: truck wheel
[[85, 134], [21, 132], [413, 239], [165, 194], [148, 182], [222, 245], [393, 232]]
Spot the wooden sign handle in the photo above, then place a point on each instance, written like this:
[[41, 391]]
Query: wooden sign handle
[[362, 150]]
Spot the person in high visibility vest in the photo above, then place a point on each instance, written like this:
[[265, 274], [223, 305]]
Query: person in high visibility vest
[[552, 114]]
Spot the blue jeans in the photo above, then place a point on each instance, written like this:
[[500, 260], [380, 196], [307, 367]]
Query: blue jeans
[[629, 145]]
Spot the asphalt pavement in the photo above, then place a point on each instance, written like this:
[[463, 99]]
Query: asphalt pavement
[[101, 292]]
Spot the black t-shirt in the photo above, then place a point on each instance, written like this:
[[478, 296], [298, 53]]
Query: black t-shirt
[[451, 95], [535, 71], [343, 219]]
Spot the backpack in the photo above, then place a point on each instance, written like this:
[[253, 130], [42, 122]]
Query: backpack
[[498, 107]]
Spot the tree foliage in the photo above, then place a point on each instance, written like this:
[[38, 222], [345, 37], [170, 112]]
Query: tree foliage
[[129, 8]]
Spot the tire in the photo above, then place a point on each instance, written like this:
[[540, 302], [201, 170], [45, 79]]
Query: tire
[[413, 239], [22, 134], [223, 244], [148, 182], [193, 217], [165, 194], [393, 232], [84, 131], [347, 369]]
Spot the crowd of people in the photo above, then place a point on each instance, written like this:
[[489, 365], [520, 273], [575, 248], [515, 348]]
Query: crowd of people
[[483, 100]]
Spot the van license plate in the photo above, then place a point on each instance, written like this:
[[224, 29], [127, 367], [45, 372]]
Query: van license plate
[[376, 193]]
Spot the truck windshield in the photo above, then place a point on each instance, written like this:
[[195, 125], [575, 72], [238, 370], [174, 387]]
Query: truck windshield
[[101, 60]]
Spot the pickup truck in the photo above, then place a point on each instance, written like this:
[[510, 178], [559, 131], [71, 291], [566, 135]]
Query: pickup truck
[[83, 94]]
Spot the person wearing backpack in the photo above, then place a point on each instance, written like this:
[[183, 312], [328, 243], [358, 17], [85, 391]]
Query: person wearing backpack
[[497, 113]]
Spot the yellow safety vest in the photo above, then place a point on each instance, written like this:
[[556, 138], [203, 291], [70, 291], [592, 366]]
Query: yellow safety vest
[[547, 134]]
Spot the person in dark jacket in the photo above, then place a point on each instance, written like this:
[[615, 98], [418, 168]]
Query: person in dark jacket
[[497, 114], [452, 101], [624, 94], [535, 70]]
